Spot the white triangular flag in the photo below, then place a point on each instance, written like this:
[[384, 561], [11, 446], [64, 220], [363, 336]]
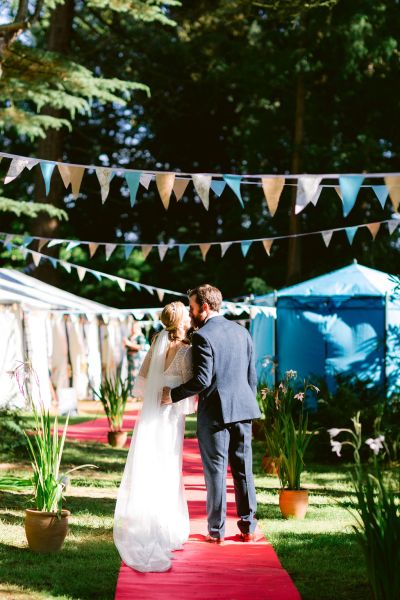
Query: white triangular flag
[[327, 236], [81, 273], [17, 165], [148, 288], [36, 258], [104, 176], [109, 250], [224, 247], [162, 250], [202, 185], [121, 283], [160, 294], [307, 190], [66, 266], [54, 243], [393, 224], [145, 180]]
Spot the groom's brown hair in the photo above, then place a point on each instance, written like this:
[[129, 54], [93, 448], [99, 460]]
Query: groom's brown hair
[[207, 294]]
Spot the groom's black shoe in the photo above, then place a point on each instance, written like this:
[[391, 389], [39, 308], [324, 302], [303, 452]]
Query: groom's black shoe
[[214, 540], [247, 537]]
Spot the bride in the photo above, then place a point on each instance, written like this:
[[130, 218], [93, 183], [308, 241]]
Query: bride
[[151, 515]]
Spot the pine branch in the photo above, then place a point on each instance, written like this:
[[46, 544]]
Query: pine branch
[[31, 209]]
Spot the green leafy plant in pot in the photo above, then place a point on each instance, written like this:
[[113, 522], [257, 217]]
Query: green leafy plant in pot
[[287, 438], [113, 394], [46, 525]]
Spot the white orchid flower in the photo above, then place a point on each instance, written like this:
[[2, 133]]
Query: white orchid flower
[[300, 396], [334, 432], [336, 447], [376, 443]]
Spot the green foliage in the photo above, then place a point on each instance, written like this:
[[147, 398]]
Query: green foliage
[[31, 209], [377, 509], [113, 394], [12, 439]]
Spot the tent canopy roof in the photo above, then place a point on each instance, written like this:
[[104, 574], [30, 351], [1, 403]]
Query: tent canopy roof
[[353, 280], [33, 293]]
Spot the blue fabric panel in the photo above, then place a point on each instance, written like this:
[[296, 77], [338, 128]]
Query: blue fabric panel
[[393, 347], [262, 330]]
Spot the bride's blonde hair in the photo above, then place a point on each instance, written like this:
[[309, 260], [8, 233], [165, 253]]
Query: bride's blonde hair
[[172, 317]]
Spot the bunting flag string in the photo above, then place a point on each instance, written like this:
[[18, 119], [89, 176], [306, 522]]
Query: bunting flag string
[[82, 271], [309, 187], [204, 247]]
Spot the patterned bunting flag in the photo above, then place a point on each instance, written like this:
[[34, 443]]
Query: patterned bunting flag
[[272, 188], [202, 185], [392, 225], [308, 190], [104, 175], [160, 294], [16, 167], [162, 250], [145, 180], [35, 257]]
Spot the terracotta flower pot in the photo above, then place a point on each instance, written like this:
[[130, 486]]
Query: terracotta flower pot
[[269, 465], [293, 503], [117, 439], [45, 532]]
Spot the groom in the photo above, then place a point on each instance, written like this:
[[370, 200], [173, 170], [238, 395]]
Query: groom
[[224, 377]]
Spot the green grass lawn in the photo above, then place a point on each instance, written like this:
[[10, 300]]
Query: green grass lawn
[[320, 553]]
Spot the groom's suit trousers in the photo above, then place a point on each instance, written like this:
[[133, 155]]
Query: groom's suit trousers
[[220, 444]]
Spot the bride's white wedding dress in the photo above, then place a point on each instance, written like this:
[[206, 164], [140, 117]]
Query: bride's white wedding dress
[[151, 515]]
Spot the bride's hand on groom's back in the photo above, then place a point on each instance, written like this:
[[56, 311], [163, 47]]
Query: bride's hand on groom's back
[[166, 396]]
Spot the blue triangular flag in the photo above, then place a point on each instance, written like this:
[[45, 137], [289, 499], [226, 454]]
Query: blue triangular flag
[[218, 186], [27, 240], [381, 193], [47, 169], [53, 262], [351, 232], [128, 250], [182, 250], [234, 183], [245, 247], [133, 180], [349, 187], [97, 275]]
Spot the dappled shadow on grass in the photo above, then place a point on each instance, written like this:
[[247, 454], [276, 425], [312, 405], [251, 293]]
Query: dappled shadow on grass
[[104, 457], [84, 570]]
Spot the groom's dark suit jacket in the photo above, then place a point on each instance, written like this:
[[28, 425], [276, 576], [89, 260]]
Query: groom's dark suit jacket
[[224, 374]]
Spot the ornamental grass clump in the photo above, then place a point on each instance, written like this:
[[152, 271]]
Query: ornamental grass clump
[[377, 510], [113, 394], [286, 428]]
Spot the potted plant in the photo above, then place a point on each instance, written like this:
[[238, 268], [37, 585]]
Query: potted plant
[[113, 394], [46, 525], [287, 441]]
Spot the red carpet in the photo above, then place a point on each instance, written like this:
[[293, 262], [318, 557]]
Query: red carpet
[[235, 571]]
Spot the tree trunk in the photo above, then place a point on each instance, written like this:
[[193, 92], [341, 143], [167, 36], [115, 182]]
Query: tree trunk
[[294, 254], [51, 148]]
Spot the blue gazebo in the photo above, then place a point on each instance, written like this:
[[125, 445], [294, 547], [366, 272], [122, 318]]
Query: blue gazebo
[[346, 322]]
